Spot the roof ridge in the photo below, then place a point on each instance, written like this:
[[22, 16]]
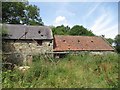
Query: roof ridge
[[24, 25], [76, 36]]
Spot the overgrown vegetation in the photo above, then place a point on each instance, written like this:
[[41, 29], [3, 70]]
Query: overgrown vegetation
[[117, 42], [81, 71]]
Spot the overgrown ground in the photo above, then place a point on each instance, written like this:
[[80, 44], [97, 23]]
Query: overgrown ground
[[81, 71]]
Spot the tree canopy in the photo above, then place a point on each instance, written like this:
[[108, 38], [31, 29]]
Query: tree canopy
[[20, 13], [110, 40], [60, 30], [80, 30], [117, 42], [75, 30]]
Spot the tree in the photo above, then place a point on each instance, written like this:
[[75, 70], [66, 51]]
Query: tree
[[117, 42], [110, 40], [80, 30], [75, 30], [20, 13], [53, 29], [60, 30]]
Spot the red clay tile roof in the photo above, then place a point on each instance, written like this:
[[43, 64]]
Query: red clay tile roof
[[76, 43]]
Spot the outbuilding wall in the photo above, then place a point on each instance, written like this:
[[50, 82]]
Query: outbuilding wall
[[24, 49]]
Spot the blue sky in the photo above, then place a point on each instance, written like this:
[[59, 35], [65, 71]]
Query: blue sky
[[99, 17]]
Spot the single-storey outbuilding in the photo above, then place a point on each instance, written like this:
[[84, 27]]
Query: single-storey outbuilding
[[95, 44]]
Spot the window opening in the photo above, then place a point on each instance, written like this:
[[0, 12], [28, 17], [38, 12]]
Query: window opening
[[39, 43]]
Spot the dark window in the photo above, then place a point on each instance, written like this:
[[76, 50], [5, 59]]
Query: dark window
[[14, 40], [39, 43]]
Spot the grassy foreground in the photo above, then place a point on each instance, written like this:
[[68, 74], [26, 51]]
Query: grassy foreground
[[81, 71]]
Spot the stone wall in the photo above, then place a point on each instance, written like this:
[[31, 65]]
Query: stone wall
[[32, 47], [24, 49], [64, 53]]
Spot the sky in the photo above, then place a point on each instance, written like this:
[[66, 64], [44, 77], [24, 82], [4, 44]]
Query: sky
[[99, 17]]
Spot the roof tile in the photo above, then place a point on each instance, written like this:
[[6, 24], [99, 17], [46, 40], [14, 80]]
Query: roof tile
[[64, 43], [32, 32]]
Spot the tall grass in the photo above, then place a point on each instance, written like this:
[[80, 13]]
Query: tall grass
[[80, 71]]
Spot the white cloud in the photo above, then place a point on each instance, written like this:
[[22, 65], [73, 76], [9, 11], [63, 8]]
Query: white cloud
[[60, 20]]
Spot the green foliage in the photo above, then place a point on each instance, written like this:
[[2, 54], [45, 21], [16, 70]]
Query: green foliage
[[60, 30], [20, 13], [79, 71], [110, 40], [75, 30], [80, 30], [3, 31], [117, 41]]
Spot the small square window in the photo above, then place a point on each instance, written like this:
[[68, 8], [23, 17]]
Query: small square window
[[39, 43]]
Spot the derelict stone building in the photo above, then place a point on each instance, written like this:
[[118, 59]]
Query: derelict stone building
[[21, 41]]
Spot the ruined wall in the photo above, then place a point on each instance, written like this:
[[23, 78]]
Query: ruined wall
[[23, 49], [32, 47]]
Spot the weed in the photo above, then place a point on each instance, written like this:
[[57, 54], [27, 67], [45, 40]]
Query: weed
[[82, 71]]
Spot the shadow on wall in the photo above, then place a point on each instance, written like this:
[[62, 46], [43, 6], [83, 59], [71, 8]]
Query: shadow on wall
[[10, 55]]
